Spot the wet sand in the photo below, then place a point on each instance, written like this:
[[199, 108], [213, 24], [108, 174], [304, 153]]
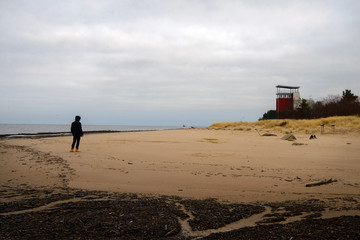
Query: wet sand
[[184, 168]]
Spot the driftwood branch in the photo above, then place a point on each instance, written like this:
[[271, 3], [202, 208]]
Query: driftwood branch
[[173, 230], [321, 183]]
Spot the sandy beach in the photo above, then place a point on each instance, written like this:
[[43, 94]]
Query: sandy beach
[[228, 165], [233, 167]]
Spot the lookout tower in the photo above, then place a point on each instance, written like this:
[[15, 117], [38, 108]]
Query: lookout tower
[[287, 99]]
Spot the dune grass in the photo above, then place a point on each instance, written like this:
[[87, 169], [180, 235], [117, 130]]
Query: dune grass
[[343, 124]]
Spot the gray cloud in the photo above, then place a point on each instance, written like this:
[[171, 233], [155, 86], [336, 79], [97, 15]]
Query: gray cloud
[[170, 62]]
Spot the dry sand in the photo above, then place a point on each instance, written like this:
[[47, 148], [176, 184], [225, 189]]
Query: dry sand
[[228, 165]]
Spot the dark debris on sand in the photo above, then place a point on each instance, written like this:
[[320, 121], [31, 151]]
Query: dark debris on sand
[[77, 214], [281, 211], [344, 227], [100, 216], [210, 214], [140, 219]]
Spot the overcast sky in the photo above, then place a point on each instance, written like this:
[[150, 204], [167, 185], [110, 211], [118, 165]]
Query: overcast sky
[[169, 62]]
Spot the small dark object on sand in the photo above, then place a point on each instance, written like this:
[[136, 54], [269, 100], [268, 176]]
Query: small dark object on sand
[[321, 183], [297, 144], [313, 137], [268, 135], [289, 137]]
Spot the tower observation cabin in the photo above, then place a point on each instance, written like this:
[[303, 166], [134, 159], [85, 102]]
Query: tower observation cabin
[[287, 100]]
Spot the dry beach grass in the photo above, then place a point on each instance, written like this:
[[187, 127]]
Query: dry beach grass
[[184, 184], [343, 124]]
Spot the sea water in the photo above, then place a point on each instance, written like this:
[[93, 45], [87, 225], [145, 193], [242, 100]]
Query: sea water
[[38, 129]]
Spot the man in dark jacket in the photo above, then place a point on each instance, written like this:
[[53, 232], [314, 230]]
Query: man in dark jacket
[[77, 132]]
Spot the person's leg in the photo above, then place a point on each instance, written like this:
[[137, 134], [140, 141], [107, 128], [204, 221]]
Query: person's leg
[[77, 143], [73, 143]]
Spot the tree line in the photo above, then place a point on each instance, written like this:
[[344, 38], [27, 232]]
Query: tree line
[[333, 105]]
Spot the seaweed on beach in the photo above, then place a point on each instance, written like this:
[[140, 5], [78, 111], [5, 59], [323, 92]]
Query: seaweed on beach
[[141, 218], [33, 198], [283, 210], [78, 214], [210, 214], [345, 227]]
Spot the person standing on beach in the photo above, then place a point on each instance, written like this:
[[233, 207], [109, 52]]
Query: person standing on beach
[[77, 133]]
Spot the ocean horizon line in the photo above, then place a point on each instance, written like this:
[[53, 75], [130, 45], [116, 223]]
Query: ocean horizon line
[[27, 130]]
